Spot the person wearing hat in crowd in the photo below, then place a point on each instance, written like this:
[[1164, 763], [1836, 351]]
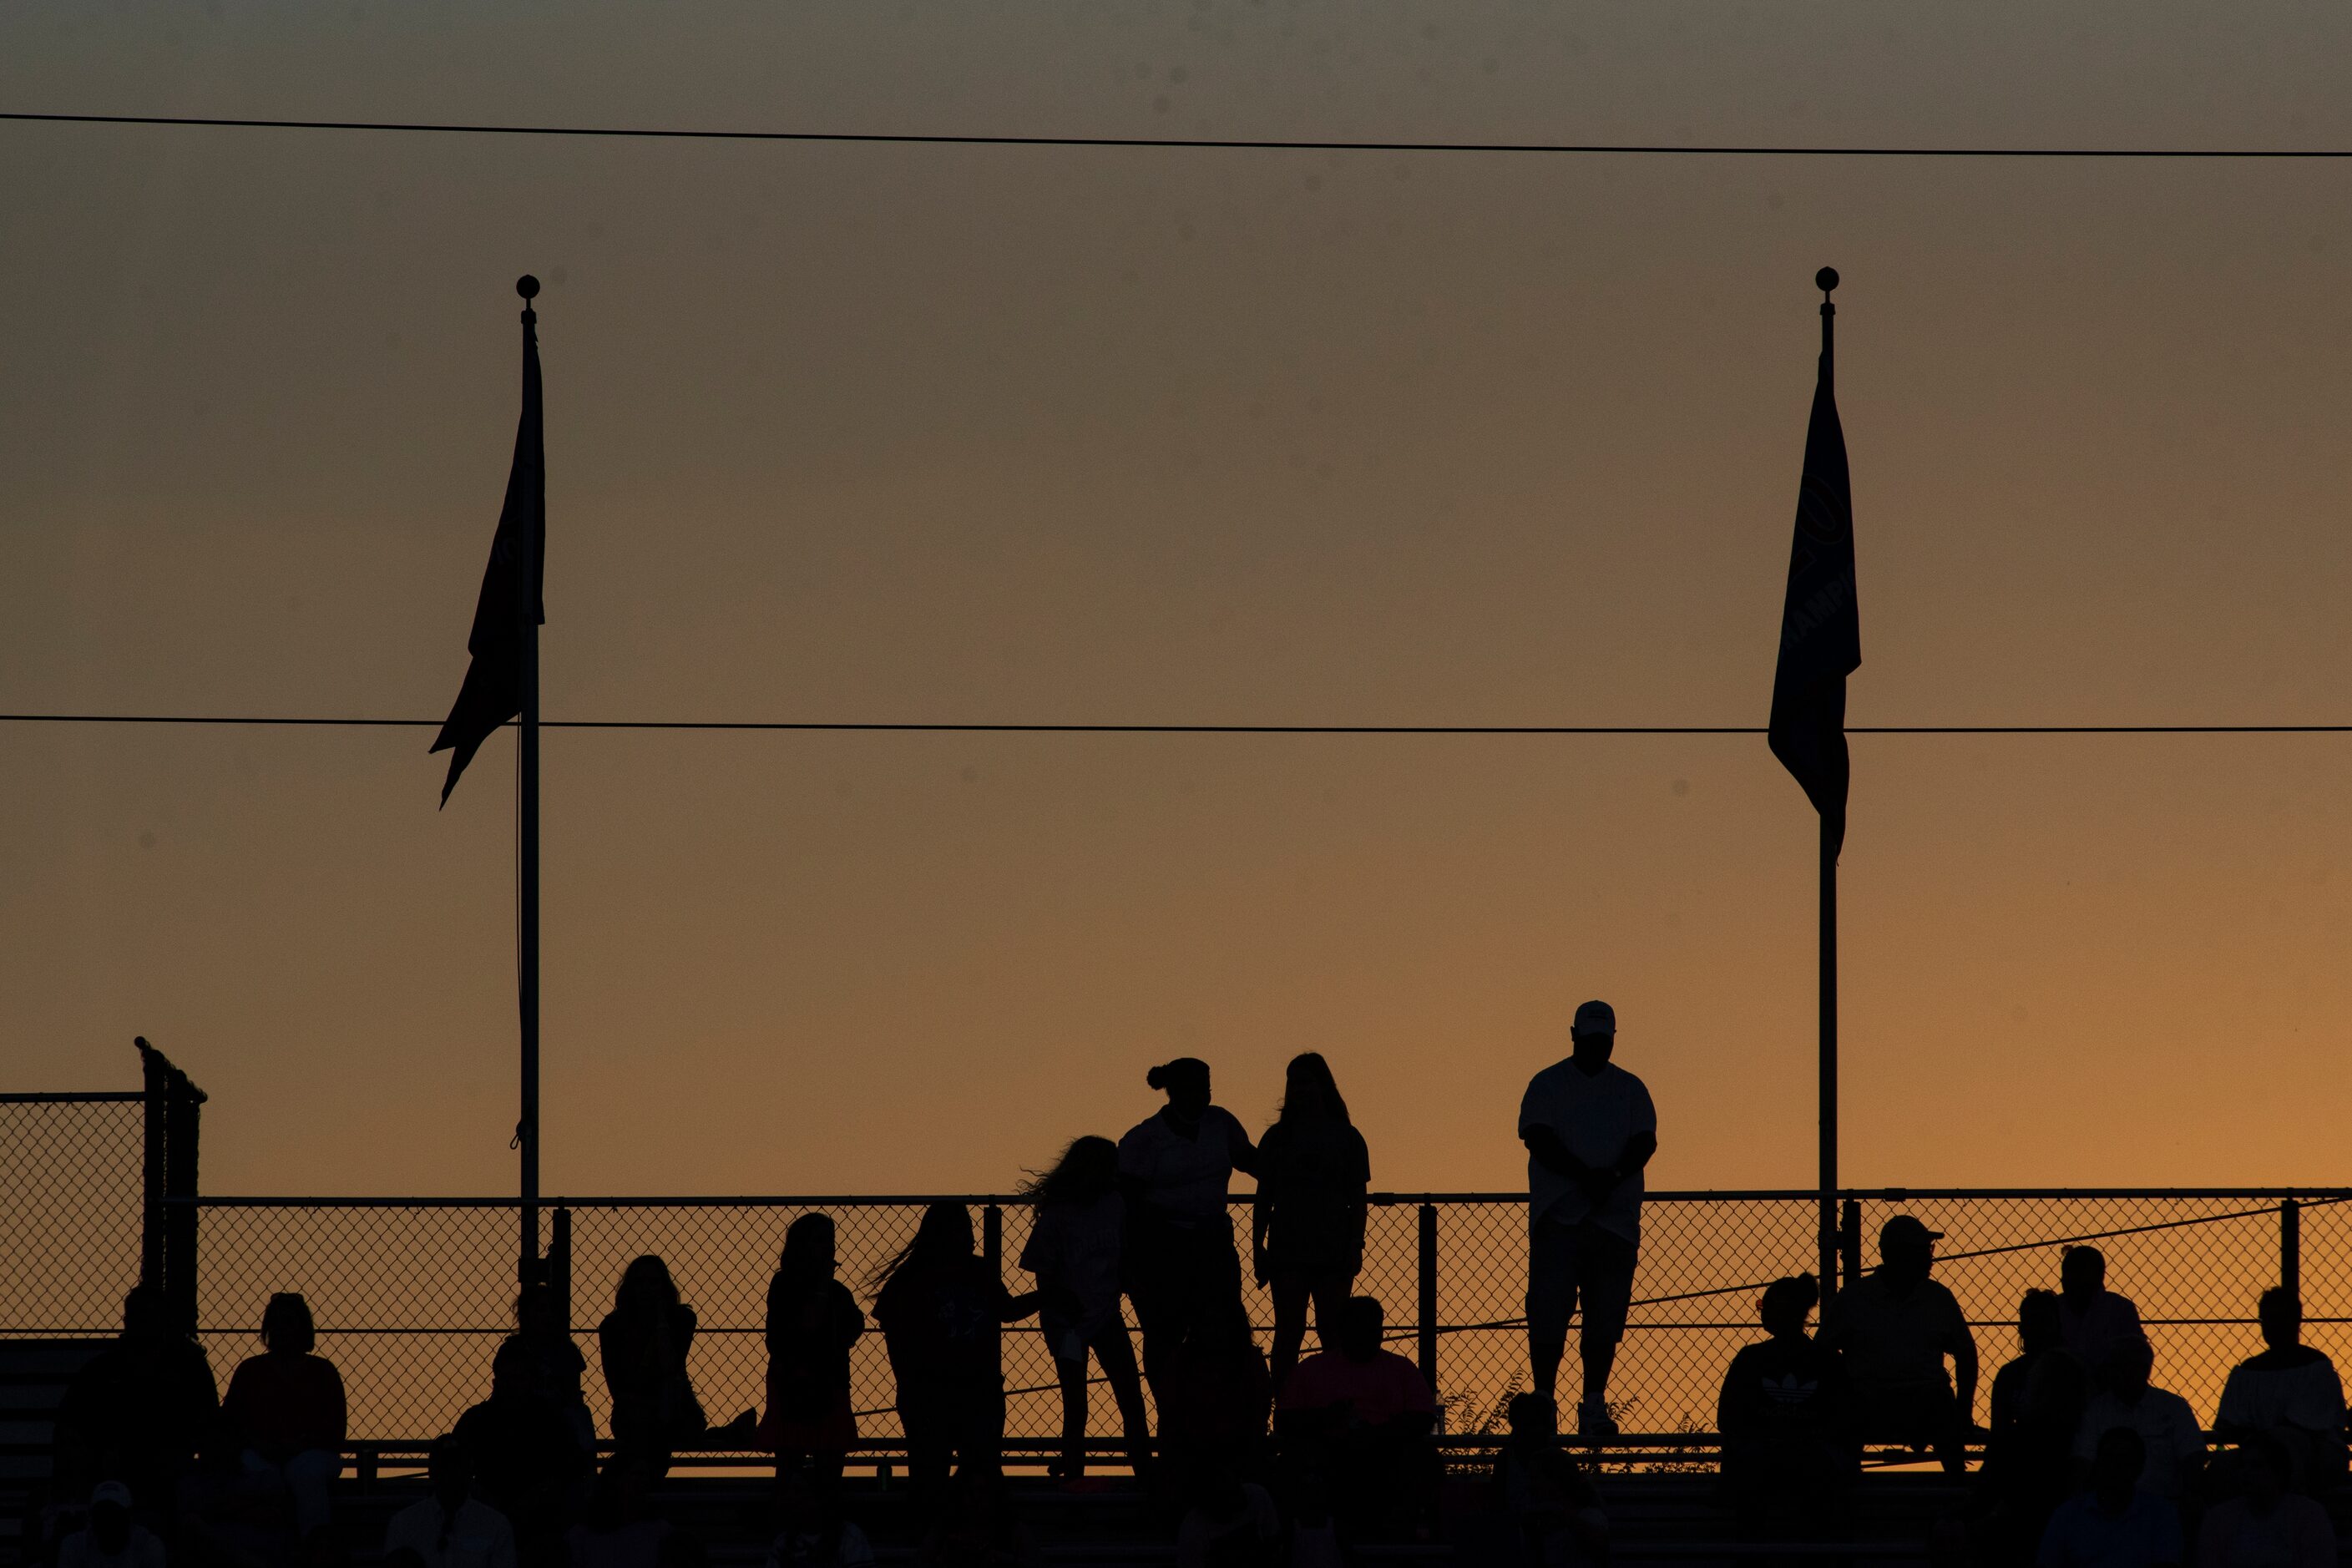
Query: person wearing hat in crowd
[[1894, 1327], [111, 1539], [1590, 1130]]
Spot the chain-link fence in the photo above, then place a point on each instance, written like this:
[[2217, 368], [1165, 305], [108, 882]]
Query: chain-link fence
[[72, 1223], [412, 1295]]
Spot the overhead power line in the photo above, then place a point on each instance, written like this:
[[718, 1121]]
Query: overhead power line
[[1205, 144], [951, 728]]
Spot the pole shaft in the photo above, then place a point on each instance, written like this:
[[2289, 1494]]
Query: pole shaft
[[1828, 1216], [527, 593]]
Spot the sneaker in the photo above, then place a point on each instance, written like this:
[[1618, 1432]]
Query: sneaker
[[1594, 1421]]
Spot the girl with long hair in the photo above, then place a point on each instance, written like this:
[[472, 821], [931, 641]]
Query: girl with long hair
[[1075, 1236], [1306, 1225], [813, 1322], [643, 1344]]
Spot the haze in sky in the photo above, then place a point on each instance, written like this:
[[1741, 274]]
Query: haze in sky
[[870, 433]]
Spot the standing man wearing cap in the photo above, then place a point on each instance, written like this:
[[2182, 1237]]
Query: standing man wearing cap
[[1894, 1327], [1590, 1129]]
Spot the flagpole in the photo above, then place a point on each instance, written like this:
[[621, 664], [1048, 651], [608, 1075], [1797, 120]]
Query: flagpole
[[1832, 834], [527, 596]]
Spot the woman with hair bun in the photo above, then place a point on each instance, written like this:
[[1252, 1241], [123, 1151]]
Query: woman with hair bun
[[1786, 1416], [1181, 1269]]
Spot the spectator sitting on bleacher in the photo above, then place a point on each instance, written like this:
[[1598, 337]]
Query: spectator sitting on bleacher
[[524, 1461], [286, 1407], [810, 1531], [643, 1344], [111, 1539], [2095, 1321], [1231, 1523], [557, 1367], [1894, 1327], [2167, 1428], [2266, 1525], [2115, 1524], [452, 1528], [1219, 1394], [616, 1532], [1551, 1502], [2037, 1410], [1358, 1417], [136, 1412], [1786, 1414], [2290, 1391], [226, 1517]]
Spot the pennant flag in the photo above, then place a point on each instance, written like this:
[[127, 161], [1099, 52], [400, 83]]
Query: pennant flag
[[1821, 627], [493, 690]]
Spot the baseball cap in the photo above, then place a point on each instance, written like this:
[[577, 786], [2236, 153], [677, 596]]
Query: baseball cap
[[114, 1492], [1906, 1230], [1594, 1018]]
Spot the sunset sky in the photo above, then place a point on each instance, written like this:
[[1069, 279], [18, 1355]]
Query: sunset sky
[[867, 433]]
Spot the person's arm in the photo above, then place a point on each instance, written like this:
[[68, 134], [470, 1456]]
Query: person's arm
[[338, 1412], [1243, 1153], [1964, 1374], [1544, 1144], [1261, 1202]]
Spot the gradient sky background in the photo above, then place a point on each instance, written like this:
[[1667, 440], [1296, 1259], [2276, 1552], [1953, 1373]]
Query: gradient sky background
[[875, 433]]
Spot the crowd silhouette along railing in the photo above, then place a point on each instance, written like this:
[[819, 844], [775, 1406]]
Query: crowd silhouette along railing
[[413, 1294]]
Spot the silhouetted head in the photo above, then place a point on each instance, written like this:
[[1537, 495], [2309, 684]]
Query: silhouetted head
[[1309, 1091], [146, 1315], [110, 1516], [2128, 1366], [2116, 1468], [2280, 1312], [1787, 1303], [512, 1375], [1594, 1036], [538, 1312], [285, 1325], [2269, 1470], [2083, 1272], [646, 1287], [942, 1239], [1906, 1249], [1361, 1320], [1533, 1416], [809, 1256], [2038, 1326], [450, 1471], [1087, 1169], [1186, 1081]]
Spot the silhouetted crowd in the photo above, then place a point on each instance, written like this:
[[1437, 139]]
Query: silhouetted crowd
[[1258, 1459]]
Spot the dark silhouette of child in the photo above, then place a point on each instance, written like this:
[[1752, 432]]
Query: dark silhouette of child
[[941, 1305], [1181, 1269], [1219, 1401], [450, 1528], [1306, 1225], [1790, 1454], [137, 1412], [2115, 1524], [525, 1461], [813, 1322], [2037, 1404], [1076, 1236], [1356, 1417], [557, 1370], [286, 1407], [643, 1343]]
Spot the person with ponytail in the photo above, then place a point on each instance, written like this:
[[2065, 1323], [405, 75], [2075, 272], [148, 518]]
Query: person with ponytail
[[1787, 1413], [1306, 1226], [1075, 1234], [1181, 1269]]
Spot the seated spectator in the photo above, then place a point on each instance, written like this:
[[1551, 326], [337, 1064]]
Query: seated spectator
[[286, 1407], [1313, 1529], [1894, 1327], [810, 1531], [2290, 1391], [1787, 1417], [556, 1366], [524, 1460], [2115, 1524], [1220, 1393], [1232, 1523], [2037, 1409], [451, 1528], [643, 1344], [227, 1517], [137, 1410], [1358, 1419], [1551, 1502], [2174, 1443], [111, 1539], [2095, 1322], [979, 1531], [2266, 1525], [614, 1532]]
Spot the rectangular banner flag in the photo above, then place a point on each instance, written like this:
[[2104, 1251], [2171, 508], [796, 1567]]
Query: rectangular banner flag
[[1820, 626], [493, 690]]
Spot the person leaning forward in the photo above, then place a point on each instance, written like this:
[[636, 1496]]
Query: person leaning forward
[[1590, 1129], [1894, 1327]]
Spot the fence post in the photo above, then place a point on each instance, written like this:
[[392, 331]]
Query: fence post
[[2291, 1247], [991, 1246], [1849, 1247], [559, 1259], [153, 1080], [1426, 1278], [183, 1109]]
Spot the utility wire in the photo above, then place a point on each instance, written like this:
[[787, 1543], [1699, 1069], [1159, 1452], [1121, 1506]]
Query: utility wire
[[1216, 144], [976, 729]]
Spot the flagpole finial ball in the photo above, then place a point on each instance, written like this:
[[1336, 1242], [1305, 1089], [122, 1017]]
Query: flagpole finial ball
[[528, 287], [1825, 279]]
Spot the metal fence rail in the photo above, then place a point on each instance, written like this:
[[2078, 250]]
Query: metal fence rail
[[412, 1295]]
